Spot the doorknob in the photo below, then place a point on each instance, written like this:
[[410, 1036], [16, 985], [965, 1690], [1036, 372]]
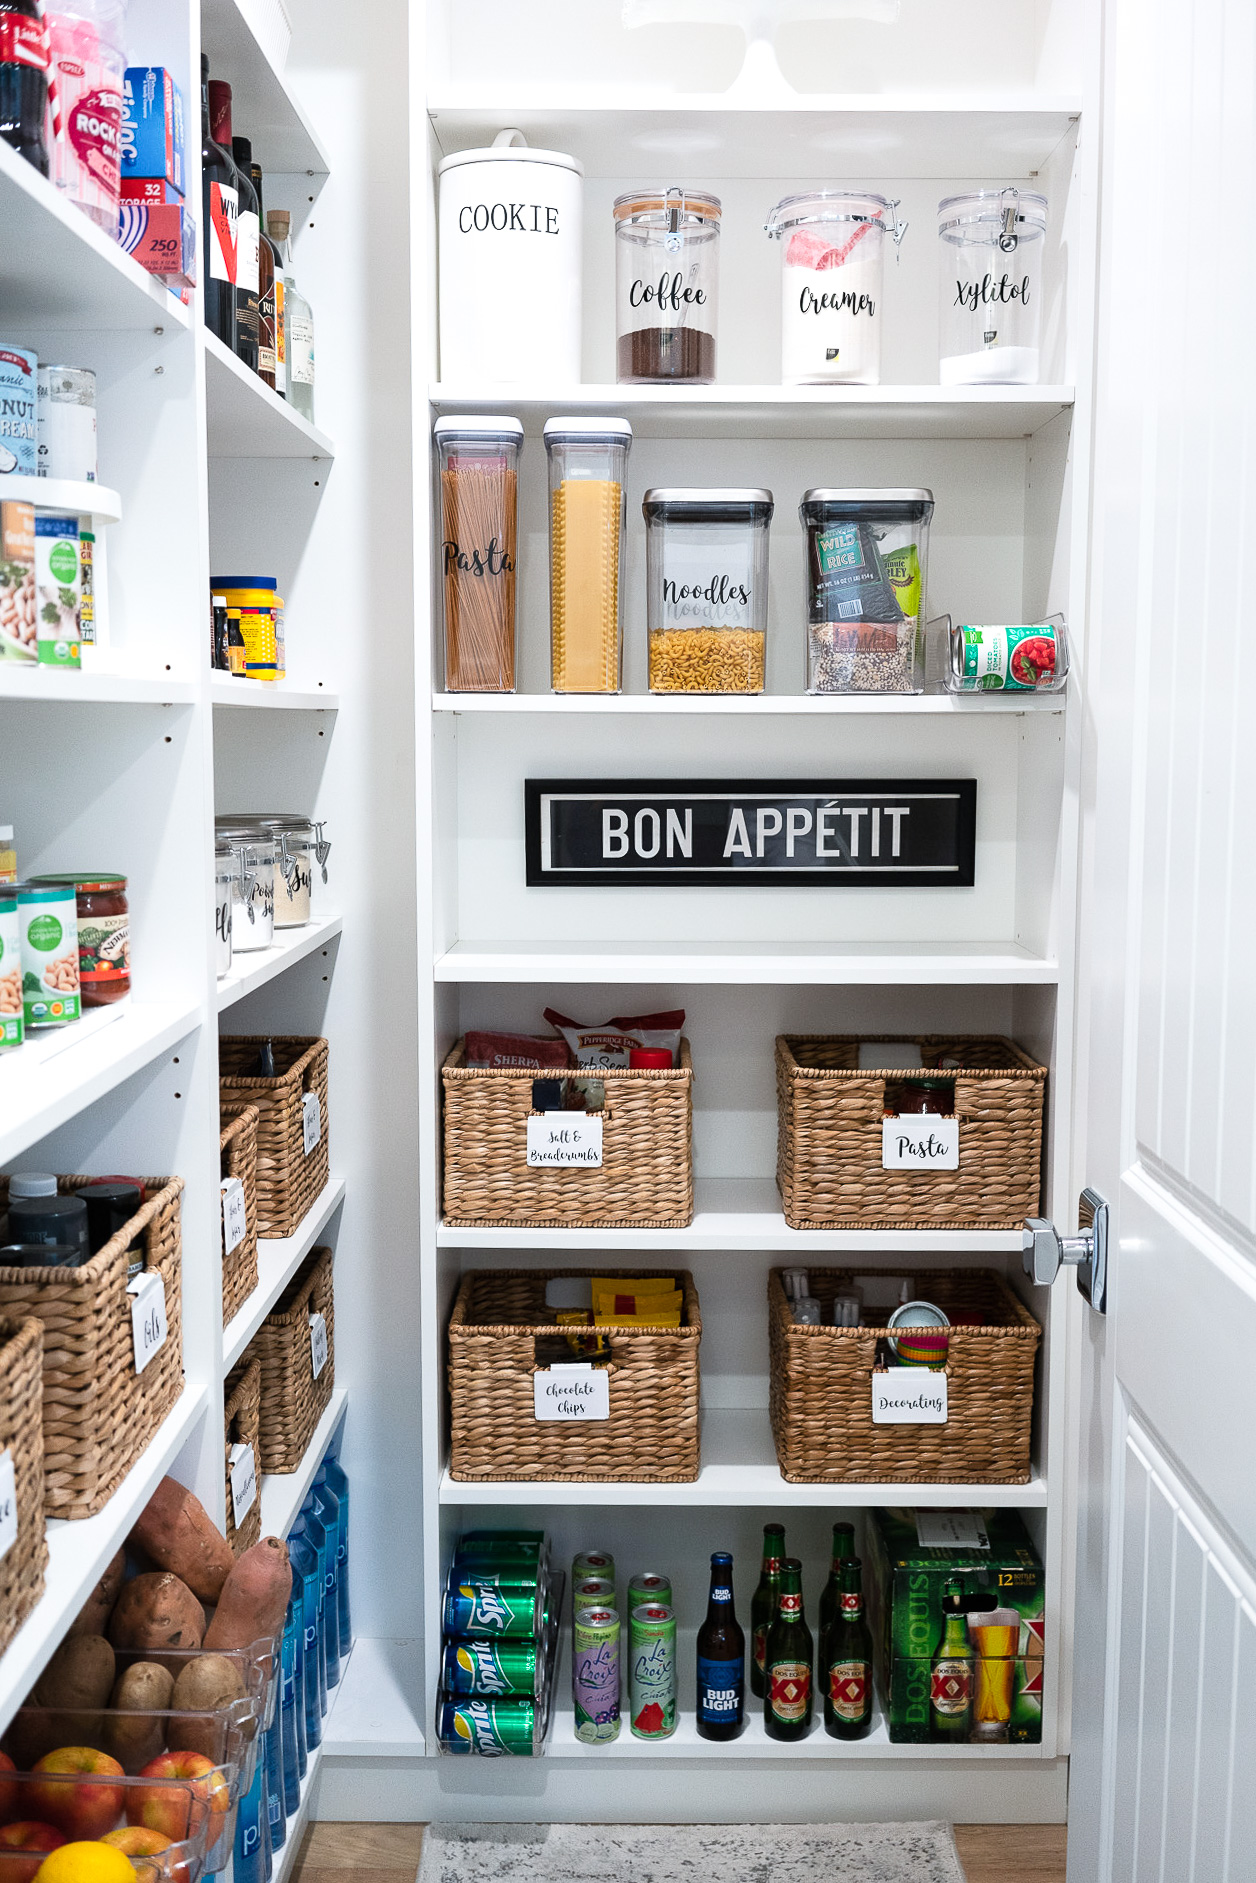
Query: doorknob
[[1044, 1251]]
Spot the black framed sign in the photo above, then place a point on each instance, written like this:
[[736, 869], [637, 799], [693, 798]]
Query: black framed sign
[[864, 833]]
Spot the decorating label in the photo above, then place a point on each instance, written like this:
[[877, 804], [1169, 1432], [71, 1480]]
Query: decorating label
[[920, 1143], [318, 1343], [571, 1393], [909, 1395], [8, 1503], [149, 1327], [564, 1137], [243, 1482], [234, 1223], [311, 1120]]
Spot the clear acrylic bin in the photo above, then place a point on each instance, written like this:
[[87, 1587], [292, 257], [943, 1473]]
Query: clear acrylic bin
[[1032, 657], [707, 589], [867, 554]]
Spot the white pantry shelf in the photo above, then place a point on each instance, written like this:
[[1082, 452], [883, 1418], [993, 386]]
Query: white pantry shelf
[[378, 1703], [264, 107], [749, 706], [50, 1078], [256, 966], [245, 419], [775, 411], [49, 686], [230, 693], [278, 1259], [59, 268], [282, 1494], [741, 1213], [623, 132], [62, 493], [739, 1470], [79, 1551], [737, 964]]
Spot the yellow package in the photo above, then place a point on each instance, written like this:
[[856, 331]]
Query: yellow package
[[633, 1284], [628, 1308], [669, 1319]]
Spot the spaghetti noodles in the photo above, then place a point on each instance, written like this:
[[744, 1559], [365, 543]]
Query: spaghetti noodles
[[479, 526]]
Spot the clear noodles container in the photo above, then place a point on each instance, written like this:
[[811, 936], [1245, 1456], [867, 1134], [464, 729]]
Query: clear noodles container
[[867, 554], [587, 458], [253, 893], [832, 270], [707, 589], [990, 279], [479, 512], [667, 263], [225, 869]]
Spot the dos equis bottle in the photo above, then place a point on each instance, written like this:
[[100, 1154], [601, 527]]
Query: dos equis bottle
[[951, 1683], [763, 1603], [787, 1665], [846, 1660], [843, 1551]]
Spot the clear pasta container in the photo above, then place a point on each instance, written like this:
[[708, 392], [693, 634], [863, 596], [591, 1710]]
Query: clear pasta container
[[867, 555], [587, 459], [667, 263], [832, 272], [990, 279], [707, 589], [479, 518], [1032, 657]]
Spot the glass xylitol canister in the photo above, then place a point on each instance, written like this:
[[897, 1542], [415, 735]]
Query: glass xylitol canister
[[832, 268], [652, 1671], [48, 919], [479, 1666], [595, 1674], [990, 284], [11, 1023]]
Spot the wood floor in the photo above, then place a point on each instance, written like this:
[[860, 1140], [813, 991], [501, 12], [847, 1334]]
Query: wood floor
[[389, 1853]]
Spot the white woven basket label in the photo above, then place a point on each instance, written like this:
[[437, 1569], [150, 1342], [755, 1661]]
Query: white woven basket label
[[8, 1504]]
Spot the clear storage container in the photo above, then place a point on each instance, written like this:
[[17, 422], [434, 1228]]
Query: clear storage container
[[991, 244], [667, 259], [225, 868], [301, 849], [253, 892], [707, 589], [588, 458], [832, 272], [479, 507], [867, 554], [1029, 658]]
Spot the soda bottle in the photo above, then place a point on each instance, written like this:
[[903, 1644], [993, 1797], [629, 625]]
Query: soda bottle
[[24, 60], [951, 1683], [763, 1602], [787, 1663], [721, 1659], [843, 1550], [846, 1659]]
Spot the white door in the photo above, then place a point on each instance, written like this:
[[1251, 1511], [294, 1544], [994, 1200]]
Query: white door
[[1164, 1744]]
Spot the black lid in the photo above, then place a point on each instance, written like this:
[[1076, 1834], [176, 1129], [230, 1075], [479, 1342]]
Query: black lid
[[866, 506], [680, 505]]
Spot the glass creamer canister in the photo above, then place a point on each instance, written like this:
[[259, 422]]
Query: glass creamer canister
[[667, 262], [224, 895], [990, 276], [832, 271], [253, 904], [707, 589]]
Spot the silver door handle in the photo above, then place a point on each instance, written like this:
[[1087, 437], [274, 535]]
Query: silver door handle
[[1044, 1251]]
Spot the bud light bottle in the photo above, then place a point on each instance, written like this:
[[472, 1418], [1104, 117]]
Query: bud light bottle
[[24, 61], [721, 1659]]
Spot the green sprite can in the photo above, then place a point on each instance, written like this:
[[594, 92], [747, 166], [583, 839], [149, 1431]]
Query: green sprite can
[[593, 1563], [521, 1577], [595, 1673], [652, 1671], [648, 1587], [477, 1665], [474, 1607], [493, 1728]]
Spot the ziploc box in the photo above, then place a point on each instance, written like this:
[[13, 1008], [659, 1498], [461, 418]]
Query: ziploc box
[[152, 125], [162, 238], [149, 190], [913, 1554]]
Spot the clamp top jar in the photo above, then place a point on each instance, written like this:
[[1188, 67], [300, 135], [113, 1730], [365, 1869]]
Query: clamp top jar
[[832, 263], [667, 245], [990, 281], [253, 892], [302, 848], [867, 552]]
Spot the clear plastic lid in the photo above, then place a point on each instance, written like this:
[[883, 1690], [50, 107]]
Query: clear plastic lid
[[1028, 210], [587, 431], [829, 206], [464, 425], [696, 207]]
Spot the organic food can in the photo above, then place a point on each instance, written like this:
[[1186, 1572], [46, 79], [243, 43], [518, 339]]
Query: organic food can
[[1029, 659], [66, 417], [480, 1666], [652, 1671], [48, 920], [104, 935], [595, 1674], [18, 609], [12, 1025], [477, 1607], [492, 1728], [19, 429], [648, 1587], [57, 588]]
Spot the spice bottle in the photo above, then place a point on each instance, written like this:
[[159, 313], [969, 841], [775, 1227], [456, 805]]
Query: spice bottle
[[479, 479], [667, 251], [707, 589], [588, 516]]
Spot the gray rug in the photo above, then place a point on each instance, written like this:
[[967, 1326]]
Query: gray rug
[[689, 1853]]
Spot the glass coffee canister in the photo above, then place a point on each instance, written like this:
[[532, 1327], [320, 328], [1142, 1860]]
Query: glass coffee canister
[[867, 556], [667, 258], [479, 512], [707, 589], [990, 277], [225, 870]]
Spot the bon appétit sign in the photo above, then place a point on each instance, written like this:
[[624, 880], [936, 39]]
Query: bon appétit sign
[[910, 833]]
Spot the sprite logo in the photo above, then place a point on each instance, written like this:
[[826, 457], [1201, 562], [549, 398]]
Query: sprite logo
[[489, 1609], [44, 933], [473, 1723], [478, 1659]]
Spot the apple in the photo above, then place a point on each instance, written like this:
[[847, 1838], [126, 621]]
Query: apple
[[24, 1836], [84, 1810], [168, 1808], [8, 1790], [136, 1840]]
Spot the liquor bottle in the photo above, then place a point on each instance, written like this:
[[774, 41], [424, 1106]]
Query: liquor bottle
[[251, 243], [271, 356], [846, 1659], [843, 1551], [24, 63], [220, 205], [763, 1603], [787, 1665], [951, 1683], [298, 321], [246, 226], [721, 1659]]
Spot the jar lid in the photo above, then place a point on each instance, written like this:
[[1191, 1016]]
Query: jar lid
[[990, 206], [476, 427], [29, 1183], [32, 891], [98, 880], [272, 820], [507, 153], [242, 581], [708, 506], [829, 206], [700, 205], [866, 506], [586, 430]]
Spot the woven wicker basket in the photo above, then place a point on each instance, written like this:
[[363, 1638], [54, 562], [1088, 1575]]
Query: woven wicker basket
[[828, 1152], [237, 1151], [242, 1422], [21, 1436], [646, 1177], [821, 1396], [287, 1180], [293, 1401], [652, 1433], [99, 1413]]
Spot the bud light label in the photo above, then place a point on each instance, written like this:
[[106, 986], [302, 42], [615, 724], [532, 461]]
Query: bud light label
[[721, 1690]]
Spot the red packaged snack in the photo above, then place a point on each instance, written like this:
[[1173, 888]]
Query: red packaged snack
[[612, 1043], [523, 1050]]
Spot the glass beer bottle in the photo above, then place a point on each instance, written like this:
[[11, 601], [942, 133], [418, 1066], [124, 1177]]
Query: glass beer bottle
[[787, 1664], [951, 1683], [763, 1603], [843, 1551], [721, 1659], [846, 1659]]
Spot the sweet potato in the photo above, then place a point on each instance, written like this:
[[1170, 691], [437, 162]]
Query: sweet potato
[[75, 1686], [177, 1532], [207, 1682], [157, 1610], [135, 1733], [93, 1617], [254, 1597]]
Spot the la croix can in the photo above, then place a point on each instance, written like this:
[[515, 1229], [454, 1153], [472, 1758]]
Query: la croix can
[[595, 1674], [652, 1671], [476, 1665], [593, 1563], [648, 1587], [593, 1592], [493, 1728]]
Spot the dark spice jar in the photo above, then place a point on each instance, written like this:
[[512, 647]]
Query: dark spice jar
[[104, 935], [667, 254]]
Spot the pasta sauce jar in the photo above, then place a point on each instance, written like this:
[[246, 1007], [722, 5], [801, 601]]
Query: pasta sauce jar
[[104, 935]]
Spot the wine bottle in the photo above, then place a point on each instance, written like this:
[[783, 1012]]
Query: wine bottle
[[220, 205]]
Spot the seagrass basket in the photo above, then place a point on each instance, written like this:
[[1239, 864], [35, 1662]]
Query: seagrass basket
[[652, 1433], [237, 1153], [242, 1420], [288, 1179], [821, 1391], [646, 1177], [21, 1436], [829, 1148], [98, 1412], [293, 1401]]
